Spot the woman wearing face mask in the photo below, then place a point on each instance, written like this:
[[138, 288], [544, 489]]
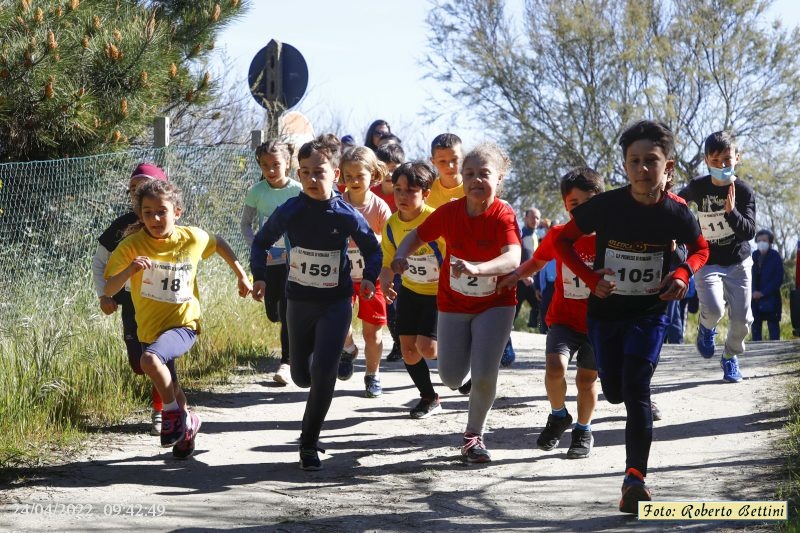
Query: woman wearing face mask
[[767, 281]]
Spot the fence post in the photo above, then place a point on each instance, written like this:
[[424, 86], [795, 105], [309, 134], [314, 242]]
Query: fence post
[[161, 132], [256, 138]]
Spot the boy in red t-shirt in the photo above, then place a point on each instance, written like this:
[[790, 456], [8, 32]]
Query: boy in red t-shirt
[[566, 318]]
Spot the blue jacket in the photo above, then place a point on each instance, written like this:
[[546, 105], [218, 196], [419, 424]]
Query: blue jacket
[[767, 279], [318, 225]]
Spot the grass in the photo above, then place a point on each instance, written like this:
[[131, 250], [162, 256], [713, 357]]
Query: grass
[[64, 371]]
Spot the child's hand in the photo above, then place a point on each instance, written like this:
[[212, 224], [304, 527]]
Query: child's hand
[[507, 283], [605, 288], [367, 290], [244, 287], [460, 267], [259, 290], [108, 305], [140, 263], [675, 288], [389, 293], [730, 201], [399, 265]]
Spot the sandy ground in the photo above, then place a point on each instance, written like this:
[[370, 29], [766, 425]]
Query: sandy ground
[[387, 472]]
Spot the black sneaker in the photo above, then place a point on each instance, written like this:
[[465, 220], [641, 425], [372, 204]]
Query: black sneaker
[[395, 354], [309, 459], [346, 368], [466, 388], [550, 435], [426, 407], [582, 441]]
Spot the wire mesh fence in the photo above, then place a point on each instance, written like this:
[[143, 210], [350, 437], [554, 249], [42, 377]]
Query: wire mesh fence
[[51, 212]]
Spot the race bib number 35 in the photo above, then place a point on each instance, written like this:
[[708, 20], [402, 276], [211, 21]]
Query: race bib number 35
[[422, 269], [636, 274], [314, 268], [475, 286], [714, 226], [168, 282]]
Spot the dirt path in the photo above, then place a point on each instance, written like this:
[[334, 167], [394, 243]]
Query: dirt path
[[386, 472]]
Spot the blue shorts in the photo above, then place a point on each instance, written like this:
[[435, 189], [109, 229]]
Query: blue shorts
[[640, 337], [170, 345]]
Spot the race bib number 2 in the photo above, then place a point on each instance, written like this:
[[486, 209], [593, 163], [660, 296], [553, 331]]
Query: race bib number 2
[[475, 286], [314, 268], [168, 282], [635, 273]]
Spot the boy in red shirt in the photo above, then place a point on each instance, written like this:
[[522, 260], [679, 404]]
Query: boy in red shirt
[[566, 318]]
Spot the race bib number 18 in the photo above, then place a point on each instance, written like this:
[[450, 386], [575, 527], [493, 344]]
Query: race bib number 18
[[168, 282], [636, 274]]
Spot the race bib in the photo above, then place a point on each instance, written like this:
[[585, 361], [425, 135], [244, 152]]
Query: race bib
[[314, 268], [714, 226], [475, 286], [637, 274], [574, 287], [422, 269], [168, 282], [356, 264]]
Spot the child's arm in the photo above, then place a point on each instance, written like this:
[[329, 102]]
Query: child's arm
[[246, 224], [269, 233], [525, 270], [387, 284], [741, 213], [99, 262], [411, 243], [115, 283], [226, 252], [507, 261], [565, 249], [370, 248], [677, 281]]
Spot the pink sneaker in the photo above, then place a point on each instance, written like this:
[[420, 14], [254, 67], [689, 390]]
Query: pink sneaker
[[173, 427], [185, 448]]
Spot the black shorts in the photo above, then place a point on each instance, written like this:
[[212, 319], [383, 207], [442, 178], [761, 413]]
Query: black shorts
[[416, 313], [566, 341]]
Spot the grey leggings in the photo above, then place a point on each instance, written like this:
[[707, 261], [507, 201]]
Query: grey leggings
[[474, 343]]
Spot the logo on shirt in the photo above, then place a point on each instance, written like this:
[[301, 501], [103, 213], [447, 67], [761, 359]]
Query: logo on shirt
[[334, 231]]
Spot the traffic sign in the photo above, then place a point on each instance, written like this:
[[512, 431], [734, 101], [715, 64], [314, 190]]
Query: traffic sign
[[278, 75]]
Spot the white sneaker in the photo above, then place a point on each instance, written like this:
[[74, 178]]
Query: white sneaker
[[283, 375], [155, 426]]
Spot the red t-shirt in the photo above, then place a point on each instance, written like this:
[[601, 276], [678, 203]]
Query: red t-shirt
[[570, 301], [388, 198], [474, 239]]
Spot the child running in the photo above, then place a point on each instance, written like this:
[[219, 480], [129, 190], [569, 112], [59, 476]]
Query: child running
[[360, 168], [727, 214], [319, 224], [635, 227], [416, 309], [474, 321], [109, 240], [566, 318], [274, 158], [160, 259]]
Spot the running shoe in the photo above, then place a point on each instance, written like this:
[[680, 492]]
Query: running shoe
[[655, 410], [173, 427], [582, 442], [426, 407], [309, 458], [395, 354], [705, 341], [508, 355], [284, 375], [155, 423], [551, 434], [633, 492], [185, 448], [473, 449], [730, 370], [346, 365], [372, 384], [466, 388]]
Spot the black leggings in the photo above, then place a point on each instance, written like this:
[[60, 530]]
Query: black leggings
[[317, 331], [275, 304]]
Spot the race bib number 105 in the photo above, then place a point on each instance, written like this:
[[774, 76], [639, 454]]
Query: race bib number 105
[[636, 274], [168, 282]]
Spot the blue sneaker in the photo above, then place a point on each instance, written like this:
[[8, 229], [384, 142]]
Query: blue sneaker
[[372, 384], [705, 341], [730, 370], [346, 365], [508, 355]]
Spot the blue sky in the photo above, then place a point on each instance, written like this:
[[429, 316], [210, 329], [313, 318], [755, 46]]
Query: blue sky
[[365, 62]]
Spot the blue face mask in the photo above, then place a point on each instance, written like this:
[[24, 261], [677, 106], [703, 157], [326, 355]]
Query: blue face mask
[[724, 174]]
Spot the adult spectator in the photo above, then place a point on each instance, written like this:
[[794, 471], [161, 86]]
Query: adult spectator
[[525, 289], [767, 281]]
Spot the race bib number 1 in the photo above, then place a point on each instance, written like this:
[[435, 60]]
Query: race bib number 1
[[574, 287], [168, 282], [636, 274], [475, 286], [714, 226], [314, 268]]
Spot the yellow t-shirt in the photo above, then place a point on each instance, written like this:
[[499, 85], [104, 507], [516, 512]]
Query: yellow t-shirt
[[164, 296], [422, 275], [440, 195]]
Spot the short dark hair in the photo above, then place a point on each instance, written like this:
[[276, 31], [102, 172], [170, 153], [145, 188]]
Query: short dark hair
[[445, 140], [649, 130], [391, 153], [719, 141], [388, 138], [418, 173], [768, 233], [582, 178], [327, 144]]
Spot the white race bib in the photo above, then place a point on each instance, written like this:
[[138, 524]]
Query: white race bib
[[475, 286], [637, 274], [168, 282], [356, 264], [574, 287], [714, 226], [422, 269], [314, 268]]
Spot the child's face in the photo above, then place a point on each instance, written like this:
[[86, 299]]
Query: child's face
[[317, 176], [274, 168], [647, 168], [480, 179], [134, 184], [728, 157], [357, 178], [158, 216], [409, 198], [447, 161], [576, 197]]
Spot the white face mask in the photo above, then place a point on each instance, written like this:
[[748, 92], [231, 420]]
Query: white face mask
[[762, 246]]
